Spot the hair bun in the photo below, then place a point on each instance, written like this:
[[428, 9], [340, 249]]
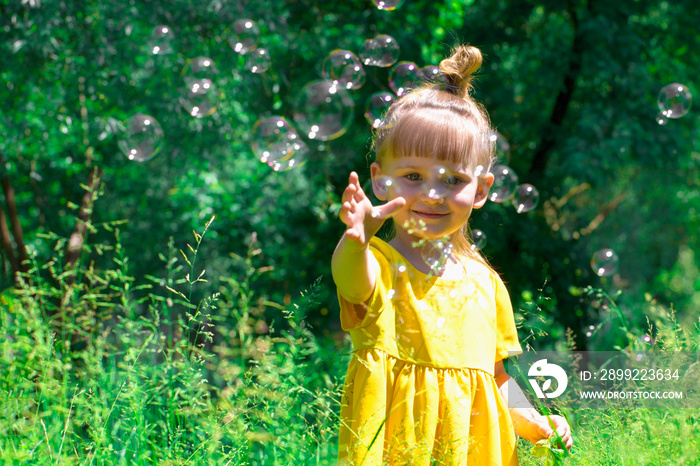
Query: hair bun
[[458, 70]]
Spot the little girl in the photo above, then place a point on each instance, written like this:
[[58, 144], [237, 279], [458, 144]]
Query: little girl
[[426, 383]]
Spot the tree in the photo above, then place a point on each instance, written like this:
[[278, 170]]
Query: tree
[[571, 85]]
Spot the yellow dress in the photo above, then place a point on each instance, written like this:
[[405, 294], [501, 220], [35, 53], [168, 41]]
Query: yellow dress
[[419, 388]]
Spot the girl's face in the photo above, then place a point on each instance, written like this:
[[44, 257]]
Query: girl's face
[[440, 195]]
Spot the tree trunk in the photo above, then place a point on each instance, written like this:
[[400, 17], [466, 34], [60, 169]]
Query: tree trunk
[[561, 104], [77, 239], [18, 261]]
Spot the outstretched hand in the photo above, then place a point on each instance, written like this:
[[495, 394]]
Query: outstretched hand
[[361, 218]]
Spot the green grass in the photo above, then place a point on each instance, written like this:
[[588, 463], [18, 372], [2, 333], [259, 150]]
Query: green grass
[[100, 370]]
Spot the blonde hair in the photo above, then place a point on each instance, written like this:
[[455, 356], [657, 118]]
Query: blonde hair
[[442, 121]]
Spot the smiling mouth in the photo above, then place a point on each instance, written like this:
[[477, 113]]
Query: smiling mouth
[[429, 214]]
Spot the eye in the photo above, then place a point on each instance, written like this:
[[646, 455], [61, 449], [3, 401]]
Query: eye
[[452, 180], [413, 177]]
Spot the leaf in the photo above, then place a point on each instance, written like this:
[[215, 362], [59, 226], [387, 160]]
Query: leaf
[[553, 456]]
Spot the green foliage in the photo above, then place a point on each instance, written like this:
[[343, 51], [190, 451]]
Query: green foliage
[[139, 374], [552, 453], [616, 435], [611, 177], [131, 352]]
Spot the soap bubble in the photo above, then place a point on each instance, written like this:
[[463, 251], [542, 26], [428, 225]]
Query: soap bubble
[[430, 73], [162, 40], [525, 198], [603, 303], [605, 262], [400, 267], [404, 77], [344, 69], [590, 331], [272, 138], [437, 192], [661, 119], [387, 4], [323, 110], [258, 61], [478, 239], [277, 144], [201, 97], [674, 100], [367, 187], [376, 107], [436, 254], [647, 340], [501, 147], [299, 158], [245, 36], [200, 68], [382, 51], [141, 137], [504, 183], [388, 187]]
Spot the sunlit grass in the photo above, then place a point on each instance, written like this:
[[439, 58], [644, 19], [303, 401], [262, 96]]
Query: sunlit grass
[[102, 370], [121, 373]]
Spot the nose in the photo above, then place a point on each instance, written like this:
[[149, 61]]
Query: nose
[[434, 192]]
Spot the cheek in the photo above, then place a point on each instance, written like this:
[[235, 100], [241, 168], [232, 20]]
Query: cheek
[[465, 199], [400, 189]]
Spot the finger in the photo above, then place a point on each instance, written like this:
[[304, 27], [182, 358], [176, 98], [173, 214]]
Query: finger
[[344, 214], [562, 426], [564, 433], [354, 179], [357, 182], [352, 234], [349, 192], [390, 208], [359, 195], [348, 211], [567, 440]]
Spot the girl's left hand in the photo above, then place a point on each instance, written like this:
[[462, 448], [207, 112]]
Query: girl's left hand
[[545, 424]]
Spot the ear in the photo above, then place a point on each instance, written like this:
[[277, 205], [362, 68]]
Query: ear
[[380, 192], [482, 190]]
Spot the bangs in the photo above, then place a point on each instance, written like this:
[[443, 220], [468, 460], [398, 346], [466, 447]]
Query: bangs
[[438, 133]]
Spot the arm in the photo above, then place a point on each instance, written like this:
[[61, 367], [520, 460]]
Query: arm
[[354, 270], [528, 423], [353, 266]]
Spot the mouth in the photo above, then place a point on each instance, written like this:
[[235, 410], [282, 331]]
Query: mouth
[[433, 215]]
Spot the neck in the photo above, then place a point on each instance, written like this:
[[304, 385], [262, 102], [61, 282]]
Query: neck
[[423, 257]]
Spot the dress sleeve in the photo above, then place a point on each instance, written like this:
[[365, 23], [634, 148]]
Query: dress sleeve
[[376, 303], [507, 343]]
